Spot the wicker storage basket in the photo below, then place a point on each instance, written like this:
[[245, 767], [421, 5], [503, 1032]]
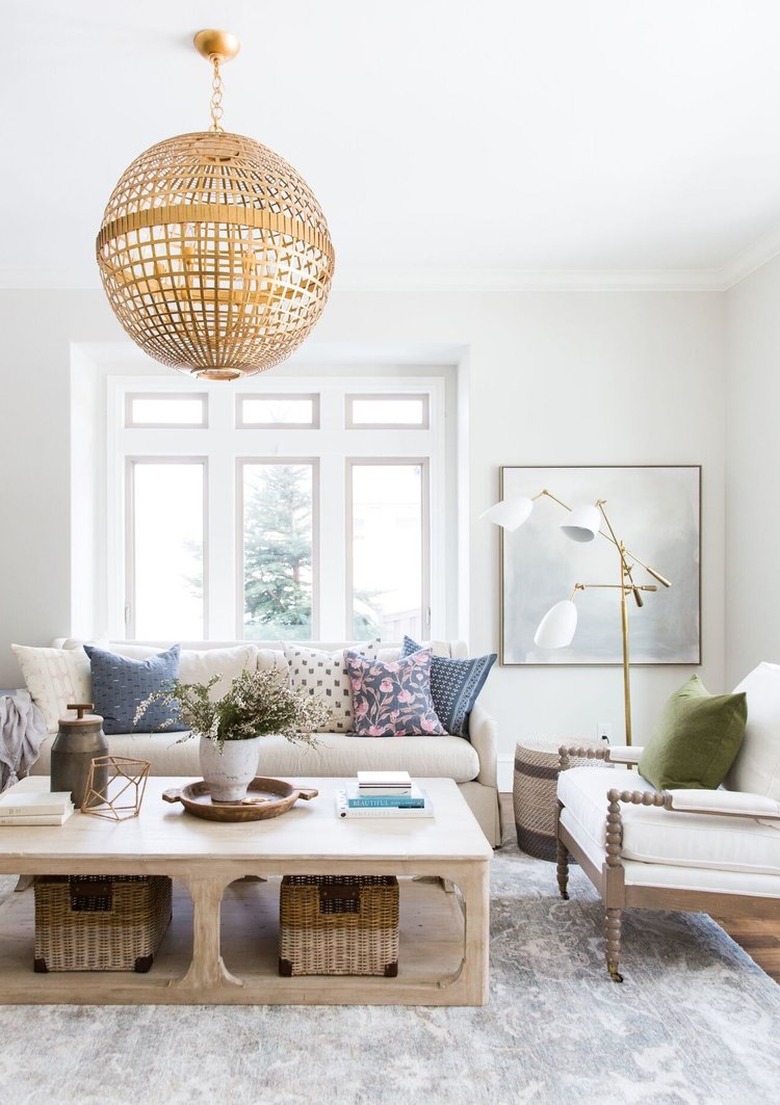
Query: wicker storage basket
[[338, 925], [534, 795], [100, 922]]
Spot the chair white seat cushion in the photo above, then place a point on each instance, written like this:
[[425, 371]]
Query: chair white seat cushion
[[654, 835]]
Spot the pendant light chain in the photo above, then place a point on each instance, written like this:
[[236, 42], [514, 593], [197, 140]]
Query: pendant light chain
[[216, 99]]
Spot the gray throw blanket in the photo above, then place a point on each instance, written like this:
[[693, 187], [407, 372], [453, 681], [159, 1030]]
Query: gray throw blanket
[[22, 731]]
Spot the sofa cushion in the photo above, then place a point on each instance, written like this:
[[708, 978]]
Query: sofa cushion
[[695, 739], [325, 673], [652, 834], [198, 666], [338, 754], [757, 766], [55, 678], [393, 698], [455, 685], [120, 684]]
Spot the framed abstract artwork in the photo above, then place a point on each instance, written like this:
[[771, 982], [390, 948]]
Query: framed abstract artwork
[[656, 512]]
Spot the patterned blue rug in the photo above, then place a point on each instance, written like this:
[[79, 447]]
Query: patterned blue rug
[[696, 1022]]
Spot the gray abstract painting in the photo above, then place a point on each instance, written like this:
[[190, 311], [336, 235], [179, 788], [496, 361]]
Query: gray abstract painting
[[655, 511]]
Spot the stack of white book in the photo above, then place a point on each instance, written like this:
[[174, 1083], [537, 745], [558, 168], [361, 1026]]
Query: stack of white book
[[383, 794], [41, 807]]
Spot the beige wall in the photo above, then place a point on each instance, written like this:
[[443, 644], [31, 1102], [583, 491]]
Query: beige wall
[[551, 378], [753, 473]]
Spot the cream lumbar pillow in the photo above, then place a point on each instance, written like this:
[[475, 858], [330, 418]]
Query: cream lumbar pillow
[[55, 678]]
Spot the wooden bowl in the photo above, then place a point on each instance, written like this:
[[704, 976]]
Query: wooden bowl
[[265, 798]]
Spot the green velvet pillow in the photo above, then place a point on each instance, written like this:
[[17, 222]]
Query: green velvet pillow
[[696, 739]]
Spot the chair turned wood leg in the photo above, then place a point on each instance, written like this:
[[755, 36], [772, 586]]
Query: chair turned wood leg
[[562, 868], [612, 943]]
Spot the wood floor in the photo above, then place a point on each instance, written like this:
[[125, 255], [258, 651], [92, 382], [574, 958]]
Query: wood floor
[[760, 939]]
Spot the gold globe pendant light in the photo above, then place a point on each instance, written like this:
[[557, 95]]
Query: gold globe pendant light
[[213, 251]]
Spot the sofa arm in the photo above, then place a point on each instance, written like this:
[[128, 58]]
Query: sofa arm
[[483, 734], [731, 803]]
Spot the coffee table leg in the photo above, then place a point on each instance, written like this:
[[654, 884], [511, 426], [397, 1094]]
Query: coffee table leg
[[470, 980], [207, 969], [474, 885]]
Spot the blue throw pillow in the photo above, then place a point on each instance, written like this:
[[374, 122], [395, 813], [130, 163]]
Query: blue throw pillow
[[455, 685], [120, 685]]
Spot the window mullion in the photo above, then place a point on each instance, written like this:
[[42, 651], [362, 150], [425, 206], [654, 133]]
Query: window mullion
[[220, 568], [332, 574]]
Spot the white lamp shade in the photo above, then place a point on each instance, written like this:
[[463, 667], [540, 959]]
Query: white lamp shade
[[509, 513], [583, 523], [556, 629]]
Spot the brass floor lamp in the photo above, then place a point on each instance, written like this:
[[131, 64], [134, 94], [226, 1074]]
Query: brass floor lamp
[[559, 624]]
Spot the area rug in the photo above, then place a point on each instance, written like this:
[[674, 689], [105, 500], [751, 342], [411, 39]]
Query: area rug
[[696, 1021]]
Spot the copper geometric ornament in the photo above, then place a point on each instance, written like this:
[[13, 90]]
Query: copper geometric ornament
[[120, 790], [213, 251]]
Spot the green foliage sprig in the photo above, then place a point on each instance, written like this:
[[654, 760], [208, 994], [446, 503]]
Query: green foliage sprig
[[256, 704]]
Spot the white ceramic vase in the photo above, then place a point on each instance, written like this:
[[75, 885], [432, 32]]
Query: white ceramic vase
[[228, 773]]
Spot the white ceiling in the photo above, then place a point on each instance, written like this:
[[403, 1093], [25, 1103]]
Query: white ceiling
[[468, 143]]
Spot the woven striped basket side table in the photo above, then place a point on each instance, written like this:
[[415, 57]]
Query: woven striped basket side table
[[534, 792]]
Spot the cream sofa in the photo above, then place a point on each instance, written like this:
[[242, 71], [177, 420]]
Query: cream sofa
[[470, 763]]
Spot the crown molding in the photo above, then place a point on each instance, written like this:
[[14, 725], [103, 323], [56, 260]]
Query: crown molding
[[356, 279], [526, 280], [752, 258]]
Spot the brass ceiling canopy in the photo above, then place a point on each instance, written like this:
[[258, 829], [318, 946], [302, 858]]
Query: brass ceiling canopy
[[213, 251]]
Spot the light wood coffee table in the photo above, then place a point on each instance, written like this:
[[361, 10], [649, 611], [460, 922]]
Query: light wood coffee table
[[223, 943]]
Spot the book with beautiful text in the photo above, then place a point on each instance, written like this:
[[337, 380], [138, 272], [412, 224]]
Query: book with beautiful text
[[344, 809], [358, 799]]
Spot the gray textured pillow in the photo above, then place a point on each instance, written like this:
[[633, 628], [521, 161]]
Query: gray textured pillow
[[120, 685]]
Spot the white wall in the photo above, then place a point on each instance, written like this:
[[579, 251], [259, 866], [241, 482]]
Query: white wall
[[570, 378], [753, 467]]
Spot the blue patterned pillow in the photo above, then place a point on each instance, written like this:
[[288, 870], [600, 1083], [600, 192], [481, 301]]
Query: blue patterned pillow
[[392, 698], [120, 685], [455, 685]]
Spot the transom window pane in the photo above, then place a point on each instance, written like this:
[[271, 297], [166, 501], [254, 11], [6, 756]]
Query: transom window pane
[[366, 411], [387, 550], [277, 550], [279, 410], [165, 410], [167, 525]]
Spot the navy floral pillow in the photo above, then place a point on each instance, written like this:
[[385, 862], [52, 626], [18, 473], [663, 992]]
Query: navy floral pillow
[[392, 698], [455, 684]]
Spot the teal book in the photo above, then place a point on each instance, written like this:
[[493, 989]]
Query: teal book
[[357, 800]]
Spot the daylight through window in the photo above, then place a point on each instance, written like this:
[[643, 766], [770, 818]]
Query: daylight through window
[[284, 512]]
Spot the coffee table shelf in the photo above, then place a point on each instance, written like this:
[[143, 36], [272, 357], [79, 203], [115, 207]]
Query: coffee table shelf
[[222, 947]]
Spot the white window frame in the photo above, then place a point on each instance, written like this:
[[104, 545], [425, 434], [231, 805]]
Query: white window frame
[[131, 462], [224, 444], [130, 424], [352, 425], [315, 412], [425, 520], [315, 537]]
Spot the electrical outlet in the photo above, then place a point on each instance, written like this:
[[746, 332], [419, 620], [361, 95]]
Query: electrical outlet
[[604, 731]]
